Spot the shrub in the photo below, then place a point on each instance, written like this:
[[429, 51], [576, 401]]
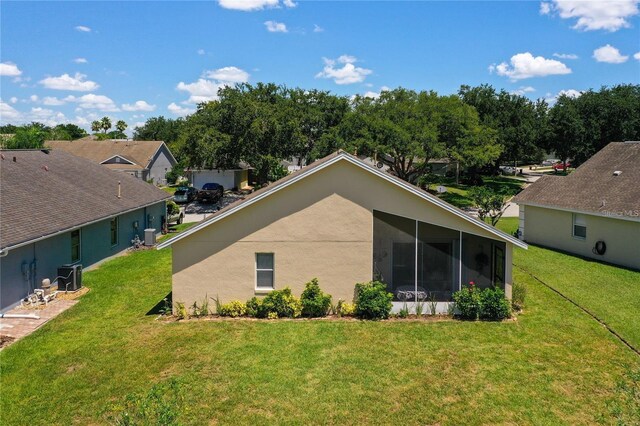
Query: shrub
[[233, 309], [494, 305], [280, 302], [181, 310], [518, 294], [373, 301], [347, 309], [315, 303], [467, 301], [172, 208], [200, 310], [404, 312]]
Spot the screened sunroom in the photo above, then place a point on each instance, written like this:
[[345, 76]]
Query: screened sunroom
[[420, 261]]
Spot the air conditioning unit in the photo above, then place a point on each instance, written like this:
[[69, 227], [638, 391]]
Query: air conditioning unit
[[150, 237], [70, 277]]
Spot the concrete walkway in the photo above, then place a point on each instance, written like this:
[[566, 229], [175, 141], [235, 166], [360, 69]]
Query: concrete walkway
[[20, 327]]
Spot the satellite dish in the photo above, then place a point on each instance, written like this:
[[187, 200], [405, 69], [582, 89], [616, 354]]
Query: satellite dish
[[441, 189], [379, 164]]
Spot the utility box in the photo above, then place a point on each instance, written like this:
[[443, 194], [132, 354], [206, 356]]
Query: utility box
[[150, 237], [70, 277]]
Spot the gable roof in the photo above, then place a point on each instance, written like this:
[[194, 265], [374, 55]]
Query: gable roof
[[139, 152], [321, 164], [45, 192], [593, 188]]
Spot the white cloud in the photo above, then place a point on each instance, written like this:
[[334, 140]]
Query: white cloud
[[523, 90], [572, 93], [637, 56], [609, 54], [248, 5], [566, 55], [347, 74], [228, 75], [52, 101], [8, 113], [80, 61], [525, 65], [594, 14], [83, 29], [201, 52], [178, 110], [33, 98], [92, 101], [375, 95], [66, 82], [13, 100], [276, 27], [9, 69], [138, 106], [289, 3], [201, 90], [317, 28]]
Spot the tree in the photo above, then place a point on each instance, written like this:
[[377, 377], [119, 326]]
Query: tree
[[490, 203], [31, 136], [105, 124], [96, 126], [160, 129], [66, 132], [121, 126], [566, 129]]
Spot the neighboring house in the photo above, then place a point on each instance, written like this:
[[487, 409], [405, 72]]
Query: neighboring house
[[593, 212], [342, 221], [235, 178], [146, 160], [57, 209]]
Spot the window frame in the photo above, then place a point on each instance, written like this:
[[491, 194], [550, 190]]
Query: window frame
[[578, 219], [79, 245], [272, 270], [111, 231]]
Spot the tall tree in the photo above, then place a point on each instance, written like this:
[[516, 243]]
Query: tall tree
[[31, 136], [567, 131], [96, 126], [105, 124]]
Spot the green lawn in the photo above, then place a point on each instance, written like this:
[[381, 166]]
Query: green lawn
[[610, 293], [458, 194], [554, 365]]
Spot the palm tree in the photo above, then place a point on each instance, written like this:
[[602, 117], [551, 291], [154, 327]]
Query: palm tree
[[105, 124], [121, 126], [96, 126]]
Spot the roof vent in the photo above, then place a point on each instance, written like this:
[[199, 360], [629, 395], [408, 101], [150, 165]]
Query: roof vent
[[617, 173]]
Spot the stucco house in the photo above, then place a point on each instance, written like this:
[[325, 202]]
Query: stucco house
[[594, 212], [146, 160], [58, 209], [342, 221]]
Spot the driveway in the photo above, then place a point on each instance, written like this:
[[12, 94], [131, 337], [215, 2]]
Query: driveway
[[196, 212]]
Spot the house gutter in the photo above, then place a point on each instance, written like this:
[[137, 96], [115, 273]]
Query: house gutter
[[5, 251]]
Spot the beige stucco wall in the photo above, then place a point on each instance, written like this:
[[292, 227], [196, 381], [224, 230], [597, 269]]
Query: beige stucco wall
[[554, 229], [318, 227]]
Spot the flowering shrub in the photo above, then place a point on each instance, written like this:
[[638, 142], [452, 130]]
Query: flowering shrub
[[467, 301], [373, 301], [347, 309], [315, 303], [233, 309]]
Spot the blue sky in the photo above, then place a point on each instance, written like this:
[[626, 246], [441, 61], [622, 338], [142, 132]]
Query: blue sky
[[77, 61]]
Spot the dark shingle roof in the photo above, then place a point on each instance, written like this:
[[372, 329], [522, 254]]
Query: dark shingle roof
[[139, 152], [593, 187], [41, 194]]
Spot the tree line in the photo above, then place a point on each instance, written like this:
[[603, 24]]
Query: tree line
[[477, 128]]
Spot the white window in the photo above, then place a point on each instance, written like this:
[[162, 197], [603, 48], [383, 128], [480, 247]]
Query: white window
[[264, 271], [579, 226]]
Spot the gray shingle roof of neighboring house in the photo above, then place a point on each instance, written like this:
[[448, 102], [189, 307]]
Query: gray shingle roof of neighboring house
[[607, 184], [139, 152], [45, 193]]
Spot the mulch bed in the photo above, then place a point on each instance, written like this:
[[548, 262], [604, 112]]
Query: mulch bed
[[5, 340], [72, 295]]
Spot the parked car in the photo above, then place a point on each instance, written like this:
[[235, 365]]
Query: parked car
[[508, 170], [174, 213], [550, 162], [210, 192], [184, 194], [561, 166]]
